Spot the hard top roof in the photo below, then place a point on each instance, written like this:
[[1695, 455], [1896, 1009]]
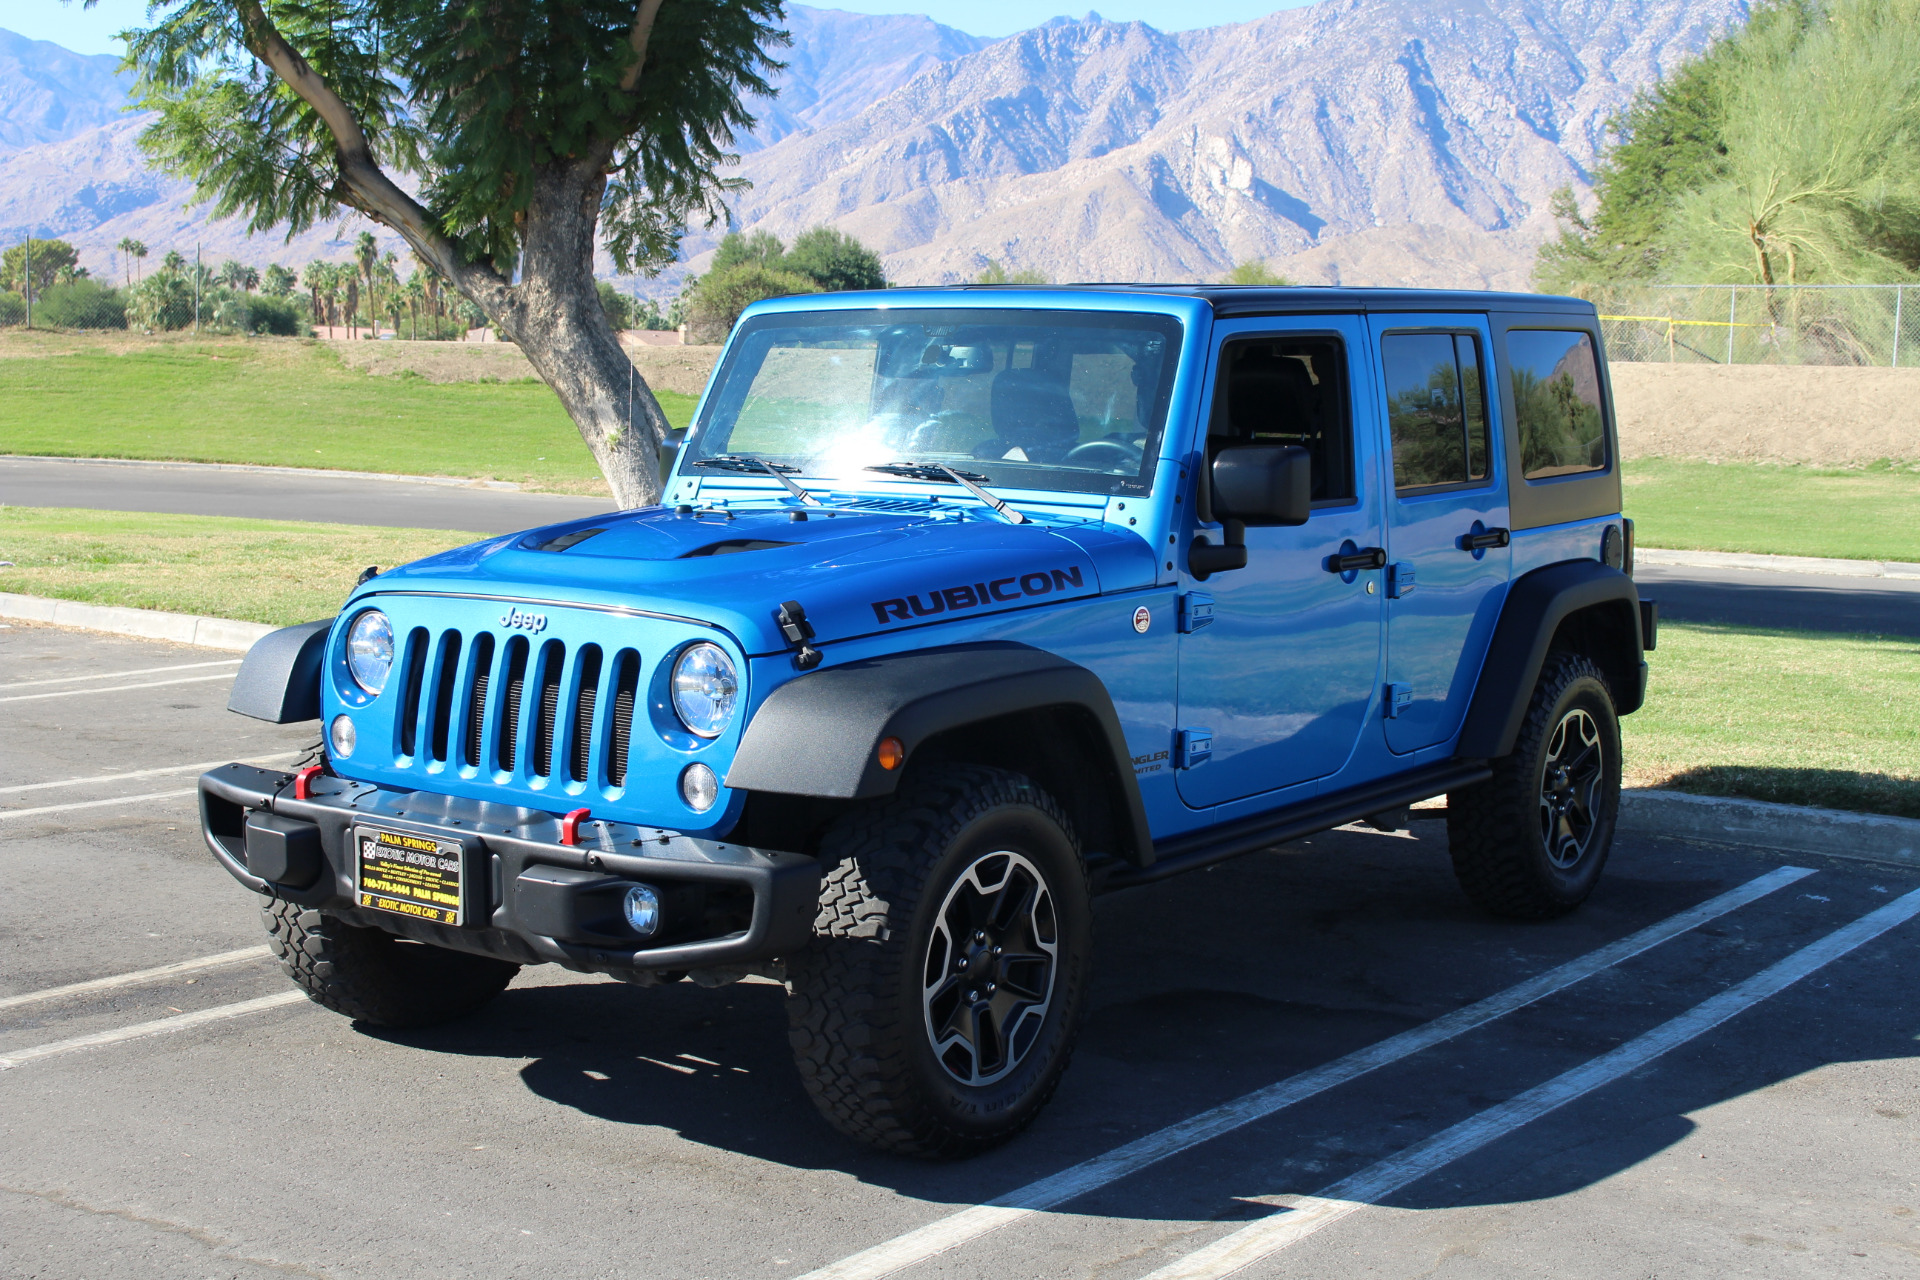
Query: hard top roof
[[1266, 300]]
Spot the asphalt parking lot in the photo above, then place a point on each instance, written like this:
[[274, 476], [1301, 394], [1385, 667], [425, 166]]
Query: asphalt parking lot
[[1316, 1061]]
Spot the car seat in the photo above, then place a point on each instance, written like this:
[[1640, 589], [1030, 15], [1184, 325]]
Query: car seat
[[1033, 413]]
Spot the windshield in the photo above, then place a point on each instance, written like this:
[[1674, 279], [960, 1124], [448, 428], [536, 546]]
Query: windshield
[[1063, 400]]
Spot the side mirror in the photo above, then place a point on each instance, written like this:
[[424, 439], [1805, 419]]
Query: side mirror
[[1263, 484]]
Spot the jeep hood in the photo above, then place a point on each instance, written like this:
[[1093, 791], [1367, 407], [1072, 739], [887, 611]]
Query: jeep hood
[[856, 572]]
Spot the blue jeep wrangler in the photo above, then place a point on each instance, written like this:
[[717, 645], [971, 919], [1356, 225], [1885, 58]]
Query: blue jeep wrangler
[[963, 606]]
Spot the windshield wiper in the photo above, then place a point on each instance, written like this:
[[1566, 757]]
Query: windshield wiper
[[935, 472], [741, 462]]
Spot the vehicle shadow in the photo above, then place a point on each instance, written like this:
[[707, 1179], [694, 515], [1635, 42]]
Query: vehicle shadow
[[1209, 986]]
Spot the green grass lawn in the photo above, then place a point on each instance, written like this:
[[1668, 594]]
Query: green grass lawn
[[283, 402], [271, 571], [1796, 717], [1872, 513]]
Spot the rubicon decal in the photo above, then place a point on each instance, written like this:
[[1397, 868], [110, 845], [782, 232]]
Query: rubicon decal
[[971, 595]]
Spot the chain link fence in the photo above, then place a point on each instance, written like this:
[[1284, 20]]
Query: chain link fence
[[1862, 325]]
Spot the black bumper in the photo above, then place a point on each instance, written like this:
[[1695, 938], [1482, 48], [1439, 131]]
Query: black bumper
[[530, 897]]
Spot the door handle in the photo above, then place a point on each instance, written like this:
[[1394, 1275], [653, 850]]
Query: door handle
[[1365, 558], [1481, 541]]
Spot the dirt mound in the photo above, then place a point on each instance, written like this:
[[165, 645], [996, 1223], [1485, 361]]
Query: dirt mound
[[1768, 413]]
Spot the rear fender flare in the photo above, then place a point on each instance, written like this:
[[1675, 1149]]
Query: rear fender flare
[[818, 735], [1538, 606]]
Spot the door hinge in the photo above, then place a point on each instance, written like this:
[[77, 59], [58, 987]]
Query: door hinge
[[1196, 611], [1399, 697], [1194, 747], [1400, 580]]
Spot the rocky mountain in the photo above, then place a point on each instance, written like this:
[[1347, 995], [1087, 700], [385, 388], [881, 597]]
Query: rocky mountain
[[48, 93], [70, 167], [1355, 141]]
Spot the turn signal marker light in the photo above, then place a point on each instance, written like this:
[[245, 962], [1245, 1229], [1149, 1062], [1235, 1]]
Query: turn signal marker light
[[892, 751]]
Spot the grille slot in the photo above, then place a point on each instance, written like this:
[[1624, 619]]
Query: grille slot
[[442, 709], [552, 660], [410, 690], [581, 753], [482, 666], [626, 685], [512, 694]]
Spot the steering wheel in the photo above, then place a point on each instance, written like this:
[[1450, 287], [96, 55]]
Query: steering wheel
[[1104, 453]]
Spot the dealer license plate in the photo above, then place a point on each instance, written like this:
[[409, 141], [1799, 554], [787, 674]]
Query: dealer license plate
[[409, 874]]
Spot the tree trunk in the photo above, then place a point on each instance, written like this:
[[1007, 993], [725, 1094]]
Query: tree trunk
[[556, 317]]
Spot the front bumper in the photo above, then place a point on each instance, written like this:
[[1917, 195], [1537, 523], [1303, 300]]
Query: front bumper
[[530, 898]]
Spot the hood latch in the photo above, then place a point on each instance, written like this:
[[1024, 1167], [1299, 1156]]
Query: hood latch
[[798, 631]]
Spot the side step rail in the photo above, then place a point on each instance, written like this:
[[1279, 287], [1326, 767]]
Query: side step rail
[[1213, 845]]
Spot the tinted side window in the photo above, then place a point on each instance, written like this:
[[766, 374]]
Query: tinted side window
[[1556, 402], [1291, 391], [1436, 409]]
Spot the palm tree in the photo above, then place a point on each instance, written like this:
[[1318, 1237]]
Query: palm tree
[[238, 276], [173, 262], [131, 249], [366, 251], [415, 292], [316, 276]]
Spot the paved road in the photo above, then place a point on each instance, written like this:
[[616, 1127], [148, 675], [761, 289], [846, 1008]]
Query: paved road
[[1884, 606], [581, 1127], [280, 495]]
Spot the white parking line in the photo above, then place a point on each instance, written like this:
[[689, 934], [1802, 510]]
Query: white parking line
[[94, 804], [201, 767], [118, 688], [116, 675], [968, 1224], [137, 977], [1269, 1235], [141, 1030]]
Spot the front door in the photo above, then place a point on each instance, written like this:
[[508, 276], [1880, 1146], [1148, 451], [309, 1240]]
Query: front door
[[1279, 661], [1446, 520]]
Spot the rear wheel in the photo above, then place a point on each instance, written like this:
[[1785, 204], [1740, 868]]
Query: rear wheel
[[936, 1009], [1530, 842], [373, 977]]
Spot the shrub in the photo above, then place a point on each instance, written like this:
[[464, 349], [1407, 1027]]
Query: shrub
[[83, 304], [13, 308], [834, 261], [720, 297], [278, 316]]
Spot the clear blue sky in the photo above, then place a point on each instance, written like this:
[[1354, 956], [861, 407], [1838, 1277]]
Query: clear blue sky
[[91, 30]]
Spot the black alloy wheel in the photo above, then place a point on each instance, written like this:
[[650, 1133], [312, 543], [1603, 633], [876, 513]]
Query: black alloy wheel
[[936, 1008], [989, 973], [1530, 842], [1570, 781]]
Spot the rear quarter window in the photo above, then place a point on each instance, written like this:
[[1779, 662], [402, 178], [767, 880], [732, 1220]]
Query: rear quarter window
[[1555, 380]]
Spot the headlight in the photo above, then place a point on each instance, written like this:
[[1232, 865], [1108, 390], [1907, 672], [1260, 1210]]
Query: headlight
[[370, 650], [704, 689]]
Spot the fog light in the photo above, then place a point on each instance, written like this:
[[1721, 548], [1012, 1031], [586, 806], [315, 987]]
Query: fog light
[[340, 734], [643, 910], [699, 788]]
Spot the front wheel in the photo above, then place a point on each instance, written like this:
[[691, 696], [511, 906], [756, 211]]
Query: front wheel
[[373, 977], [936, 1009], [1529, 842]]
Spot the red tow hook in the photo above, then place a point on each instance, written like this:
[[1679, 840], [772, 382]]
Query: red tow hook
[[303, 782], [570, 825]]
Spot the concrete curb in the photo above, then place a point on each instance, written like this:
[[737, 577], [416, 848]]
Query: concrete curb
[[447, 482], [1755, 824], [1775, 564], [1784, 827], [148, 624]]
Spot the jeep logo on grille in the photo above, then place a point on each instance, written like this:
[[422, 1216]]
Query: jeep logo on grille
[[514, 619]]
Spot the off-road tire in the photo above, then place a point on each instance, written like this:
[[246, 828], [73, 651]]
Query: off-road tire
[[373, 977], [856, 1017], [1495, 830]]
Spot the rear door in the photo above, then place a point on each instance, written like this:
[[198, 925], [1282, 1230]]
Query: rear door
[[1446, 528]]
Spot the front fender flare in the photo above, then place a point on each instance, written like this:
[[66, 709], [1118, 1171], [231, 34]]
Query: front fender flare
[[279, 679], [818, 735]]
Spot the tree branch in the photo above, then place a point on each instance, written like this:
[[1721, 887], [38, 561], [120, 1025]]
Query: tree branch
[[375, 194], [643, 19]]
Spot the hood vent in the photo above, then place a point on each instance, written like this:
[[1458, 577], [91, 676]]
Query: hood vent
[[732, 545], [888, 504], [562, 542]]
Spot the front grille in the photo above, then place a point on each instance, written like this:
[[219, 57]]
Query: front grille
[[518, 709]]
